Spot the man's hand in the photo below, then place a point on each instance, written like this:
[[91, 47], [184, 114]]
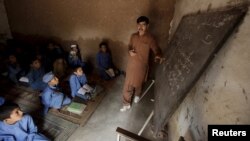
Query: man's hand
[[132, 52], [159, 59]]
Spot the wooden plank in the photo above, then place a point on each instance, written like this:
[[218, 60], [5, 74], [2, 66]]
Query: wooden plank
[[198, 37], [86, 114], [130, 135], [30, 99]]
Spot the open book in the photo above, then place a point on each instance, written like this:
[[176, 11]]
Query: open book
[[24, 79], [85, 89], [110, 72], [76, 108]]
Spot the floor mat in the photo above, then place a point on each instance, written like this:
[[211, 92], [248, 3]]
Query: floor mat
[[88, 111], [25, 96], [52, 126], [57, 126]]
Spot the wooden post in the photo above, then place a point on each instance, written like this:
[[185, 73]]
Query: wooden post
[[129, 135]]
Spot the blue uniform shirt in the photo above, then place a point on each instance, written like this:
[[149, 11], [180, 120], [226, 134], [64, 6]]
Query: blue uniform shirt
[[2, 100], [104, 60], [23, 130], [52, 98], [76, 82], [75, 61], [13, 70], [35, 79]]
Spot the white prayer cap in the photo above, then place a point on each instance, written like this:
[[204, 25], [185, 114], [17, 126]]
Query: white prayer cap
[[73, 46], [48, 77]]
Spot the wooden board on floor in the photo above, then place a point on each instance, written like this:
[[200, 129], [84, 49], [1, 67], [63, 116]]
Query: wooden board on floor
[[30, 98], [23, 95], [86, 114]]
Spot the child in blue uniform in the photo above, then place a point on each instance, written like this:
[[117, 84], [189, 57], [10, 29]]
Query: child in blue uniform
[[15, 126], [14, 69], [77, 80], [35, 76], [104, 62], [60, 68], [51, 96], [52, 52], [74, 58], [2, 100]]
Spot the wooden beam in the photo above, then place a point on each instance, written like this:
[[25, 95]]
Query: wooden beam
[[130, 135]]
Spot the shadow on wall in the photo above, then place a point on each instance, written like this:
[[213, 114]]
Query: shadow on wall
[[88, 47], [160, 18]]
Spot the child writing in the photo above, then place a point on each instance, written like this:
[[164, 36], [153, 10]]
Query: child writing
[[16, 126], [78, 84], [51, 96], [35, 75], [106, 68], [14, 69]]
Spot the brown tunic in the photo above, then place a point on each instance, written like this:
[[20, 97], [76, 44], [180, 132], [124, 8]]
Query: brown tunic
[[137, 65]]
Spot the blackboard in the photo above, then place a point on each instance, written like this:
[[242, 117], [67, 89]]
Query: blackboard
[[198, 37]]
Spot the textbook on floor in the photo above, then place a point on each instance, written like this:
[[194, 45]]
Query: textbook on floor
[[76, 108]]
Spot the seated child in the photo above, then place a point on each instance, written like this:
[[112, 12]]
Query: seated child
[[106, 68], [60, 67], [16, 126], [78, 84], [51, 96], [2, 100], [14, 69], [52, 52], [74, 58], [35, 76]]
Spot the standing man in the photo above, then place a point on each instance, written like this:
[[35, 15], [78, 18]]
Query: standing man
[[140, 45]]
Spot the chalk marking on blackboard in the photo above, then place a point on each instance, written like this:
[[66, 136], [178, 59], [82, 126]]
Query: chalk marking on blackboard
[[187, 36], [212, 23], [207, 40], [183, 65]]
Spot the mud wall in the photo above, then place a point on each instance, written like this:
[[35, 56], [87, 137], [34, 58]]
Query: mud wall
[[88, 22]]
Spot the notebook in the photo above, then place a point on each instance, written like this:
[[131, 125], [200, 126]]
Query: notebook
[[110, 72], [76, 108], [85, 89], [24, 79]]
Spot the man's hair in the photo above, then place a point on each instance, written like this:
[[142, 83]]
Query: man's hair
[[6, 109], [143, 19]]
